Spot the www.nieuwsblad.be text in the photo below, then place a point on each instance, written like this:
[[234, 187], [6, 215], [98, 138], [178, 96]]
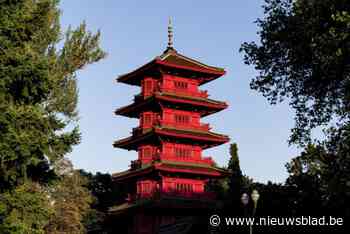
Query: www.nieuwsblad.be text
[[216, 221]]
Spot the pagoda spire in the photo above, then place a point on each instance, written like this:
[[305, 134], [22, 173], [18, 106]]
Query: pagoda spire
[[170, 37], [170, 34]]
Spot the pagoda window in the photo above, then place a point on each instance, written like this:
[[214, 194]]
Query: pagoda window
[[148, 86], [182, 153], [180, 85], [146, 188], [182, 119], [147, 119], [181, 187], [147, 152]]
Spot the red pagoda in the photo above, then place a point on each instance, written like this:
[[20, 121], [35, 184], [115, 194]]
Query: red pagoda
[[169, 140]]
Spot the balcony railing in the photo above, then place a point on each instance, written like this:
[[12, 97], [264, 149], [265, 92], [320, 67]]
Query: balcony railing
[[191, 195], [135, 164], [200, 93], [159, 194], [201, 127], [138, 97], [205, 160], [137, 131], [181, 92]]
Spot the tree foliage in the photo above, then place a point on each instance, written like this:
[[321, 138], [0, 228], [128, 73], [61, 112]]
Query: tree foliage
[[304, 56], [71, 200], [38, 114], [38, 91], [236, 179], [24, 210], [106, 194], [321, 175]]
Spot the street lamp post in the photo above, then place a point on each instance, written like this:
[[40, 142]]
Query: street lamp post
[[245, 200], [255, 197]]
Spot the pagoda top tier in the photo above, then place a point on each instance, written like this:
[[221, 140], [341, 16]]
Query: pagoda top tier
[[172, 62]]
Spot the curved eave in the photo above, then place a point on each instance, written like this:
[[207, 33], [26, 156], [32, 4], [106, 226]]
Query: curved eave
[[218, 106], [135, 108], [133, 78], [170, 168], [131, 173], [207, 171], [206, 139], [129, 78], [131, 143], [211, 73], [215, 138]]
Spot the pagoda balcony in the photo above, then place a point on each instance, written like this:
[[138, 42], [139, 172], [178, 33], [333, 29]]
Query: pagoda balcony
[[183, 194], [204, 127], [204, 160], [137, 131], [135, 164], [173, 194], [201, 127], [181, 92], [138, 97]]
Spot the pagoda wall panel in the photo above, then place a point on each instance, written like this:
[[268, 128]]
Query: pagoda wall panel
[[146, 188], [148, 86], [169, 117], [182, 185], [147, 153], [169, 83], [169, 152], [182, 86], [148, 119]]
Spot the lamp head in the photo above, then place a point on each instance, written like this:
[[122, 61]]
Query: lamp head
[[255, 196], [245, 199]]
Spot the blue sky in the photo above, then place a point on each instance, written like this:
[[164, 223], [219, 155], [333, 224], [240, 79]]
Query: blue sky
[[133, 33]]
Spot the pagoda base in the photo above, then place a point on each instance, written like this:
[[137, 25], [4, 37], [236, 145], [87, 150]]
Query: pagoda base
[[164, 216]]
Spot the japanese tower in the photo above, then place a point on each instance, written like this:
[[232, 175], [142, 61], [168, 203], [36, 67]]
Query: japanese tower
[[170, 137]]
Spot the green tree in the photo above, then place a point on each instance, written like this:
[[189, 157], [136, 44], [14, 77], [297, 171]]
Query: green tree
[[306, 179], [304, 56], [71, 200], [106, 194], [236, 179], [38, 90], [25, 209], [38, 116]]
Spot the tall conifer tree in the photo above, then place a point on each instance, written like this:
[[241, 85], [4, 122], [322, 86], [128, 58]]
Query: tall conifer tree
[[236, 179], [38, 100]]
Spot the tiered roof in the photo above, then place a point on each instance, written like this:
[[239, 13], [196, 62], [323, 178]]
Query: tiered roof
[[171, 167], [205, 106], [171, 60], [206, 139]]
